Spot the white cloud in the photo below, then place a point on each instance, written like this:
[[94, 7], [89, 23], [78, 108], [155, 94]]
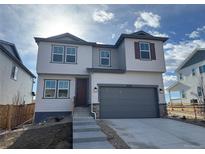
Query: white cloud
[[156, 33], [102, 16], [196, 33], [176, 53], [2, 36], [128, 31], [147, 19], [169, 80], [113, 36], [123, 25], [100, 43], [193, 34]]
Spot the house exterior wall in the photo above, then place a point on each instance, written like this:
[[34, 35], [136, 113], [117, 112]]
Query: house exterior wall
[[132, 78], [114, 61], [54, 105], [9, 88], [133, 64], [121, 53], [45, 66], [190, 82]]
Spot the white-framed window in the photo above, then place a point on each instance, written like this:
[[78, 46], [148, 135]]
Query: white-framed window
[[180, 76], [71, 55], [183, 95], [57, 54], [50, 89], [105, 58], [63, 89], [144, 50], [199, 91], [14, 72], [193, 72]]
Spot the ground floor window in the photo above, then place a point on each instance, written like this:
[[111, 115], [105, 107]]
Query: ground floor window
[[56, 89], [63, 88]]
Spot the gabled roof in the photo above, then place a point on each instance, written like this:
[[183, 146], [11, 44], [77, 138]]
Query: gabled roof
[[67, 36], [10, 50], [140, 35], [71, 39], [196, 56]]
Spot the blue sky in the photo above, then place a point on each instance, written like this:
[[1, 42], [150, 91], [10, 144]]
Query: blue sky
[[183, 24]]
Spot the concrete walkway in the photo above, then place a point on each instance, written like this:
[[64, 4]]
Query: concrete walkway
[[86, 132], [159, 133]]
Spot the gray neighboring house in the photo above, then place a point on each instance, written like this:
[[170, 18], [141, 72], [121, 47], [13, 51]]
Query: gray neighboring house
[[123, 80], [190, 83], [16, 81]]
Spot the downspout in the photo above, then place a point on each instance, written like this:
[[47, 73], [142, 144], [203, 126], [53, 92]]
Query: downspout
[[92, 107], [92, 111]]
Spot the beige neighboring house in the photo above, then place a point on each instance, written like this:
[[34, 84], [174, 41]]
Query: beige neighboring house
[[16, 81], [190, 84], [123, 80]]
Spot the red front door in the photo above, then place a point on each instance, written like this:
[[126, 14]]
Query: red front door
[[81, 92]]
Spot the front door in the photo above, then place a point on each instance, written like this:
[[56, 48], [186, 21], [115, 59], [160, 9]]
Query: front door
[[81, 92]]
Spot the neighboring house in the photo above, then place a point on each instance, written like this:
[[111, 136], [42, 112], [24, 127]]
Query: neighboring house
[[123, 80], [190, 84], [16, 81]]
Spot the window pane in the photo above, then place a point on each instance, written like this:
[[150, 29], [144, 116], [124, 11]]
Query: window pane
[[50, 84], [58, 50], [50, 93], [144, 46], [63, 93], [144, 55], [105, 54], [71, 51], [104, 61], [57, 58], [63, 84], [70, 59]]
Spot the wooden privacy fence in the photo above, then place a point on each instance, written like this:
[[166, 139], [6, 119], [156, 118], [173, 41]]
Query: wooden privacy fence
[[14, 115], [190, 111]]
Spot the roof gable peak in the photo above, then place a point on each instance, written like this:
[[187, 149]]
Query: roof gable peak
[[67, 36]]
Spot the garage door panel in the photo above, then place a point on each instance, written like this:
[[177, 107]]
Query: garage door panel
[[124, 102]]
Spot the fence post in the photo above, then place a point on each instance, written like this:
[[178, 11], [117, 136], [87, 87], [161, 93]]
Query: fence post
[[9, 118], [195, 114]]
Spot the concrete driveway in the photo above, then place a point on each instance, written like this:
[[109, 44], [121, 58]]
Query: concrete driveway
[[158, 133]]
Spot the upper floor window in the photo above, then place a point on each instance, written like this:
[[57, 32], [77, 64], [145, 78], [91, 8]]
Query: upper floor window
[[202, 69], [144, 50], [70, 55], [14, 72], [193, 72], [105, 58], [50, 89], [57, 54]]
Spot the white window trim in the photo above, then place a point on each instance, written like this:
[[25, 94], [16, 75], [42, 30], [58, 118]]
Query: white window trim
[[68, 94], [14, 76], [145, 50], [109, 58], [49, 88], [71, 55], [57, 53]]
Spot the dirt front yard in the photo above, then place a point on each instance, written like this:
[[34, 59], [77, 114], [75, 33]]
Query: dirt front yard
[[49, 136]]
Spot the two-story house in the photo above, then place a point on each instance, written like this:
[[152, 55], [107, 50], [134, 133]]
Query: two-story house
[[16, 81], [123, 80], [190, 84]]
